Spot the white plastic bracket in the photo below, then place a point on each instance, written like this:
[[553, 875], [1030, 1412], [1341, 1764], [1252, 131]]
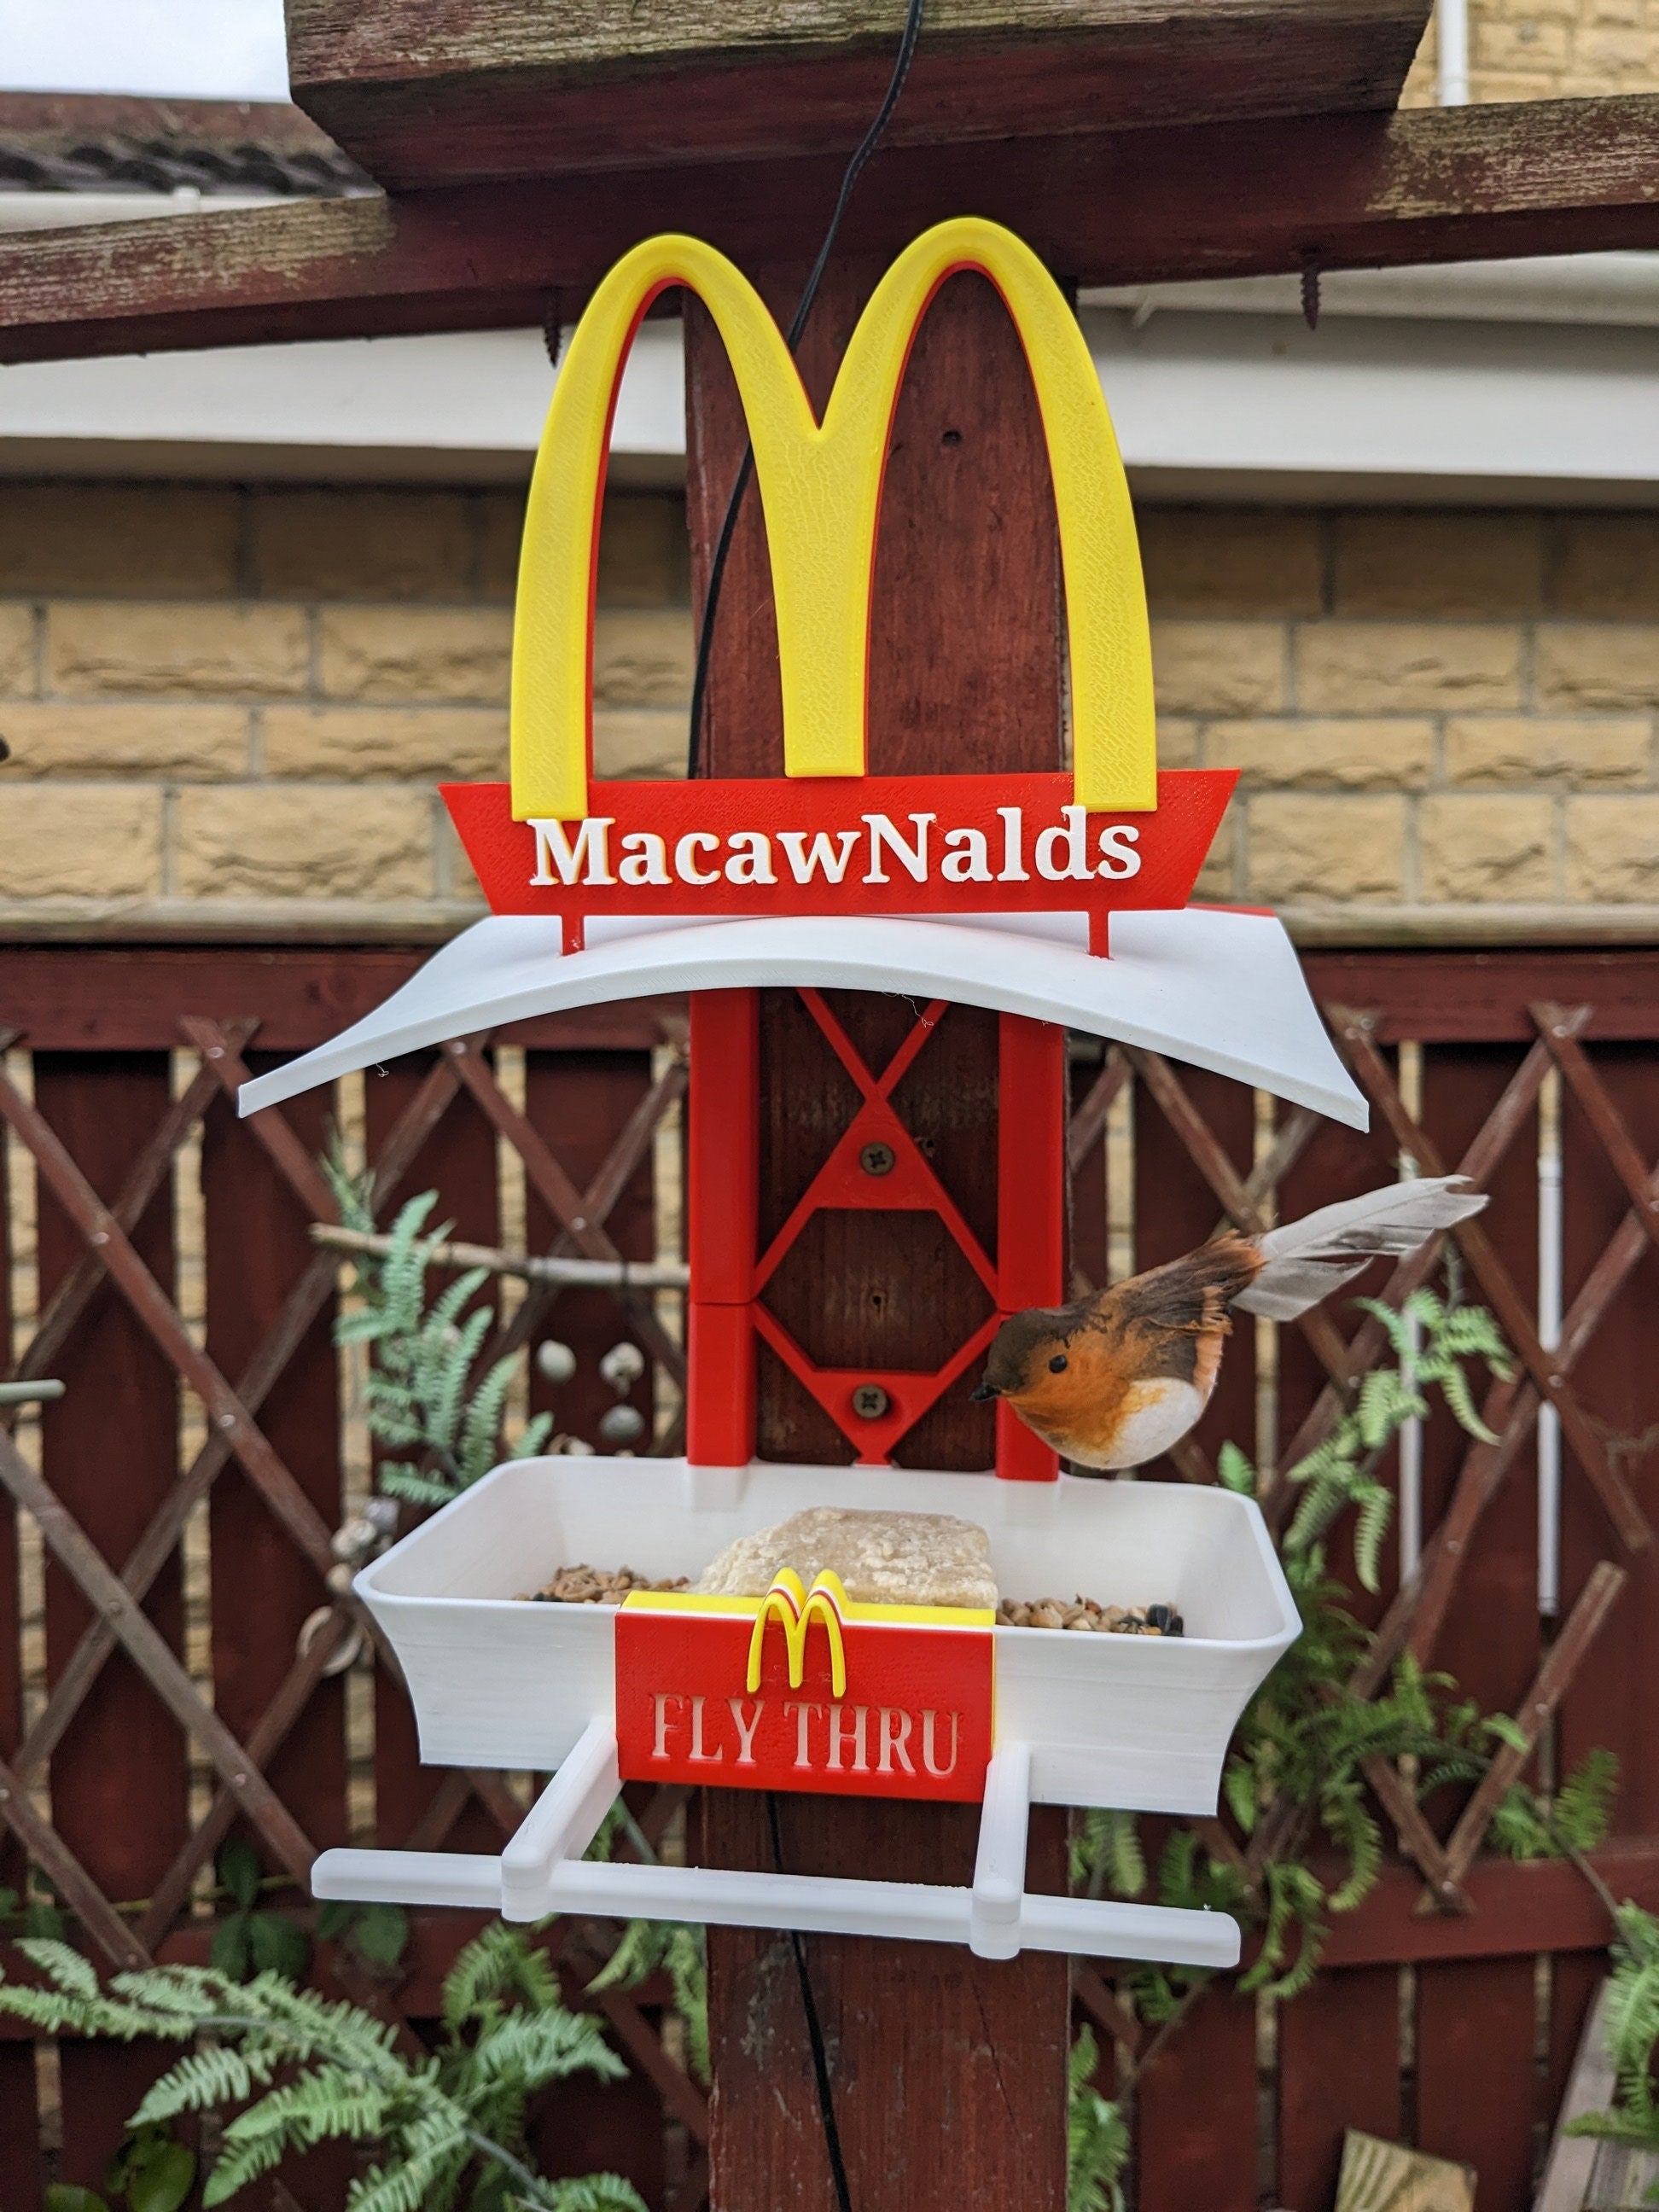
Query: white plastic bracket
[[561, 1823], [1005, 1821], [542, 1871]]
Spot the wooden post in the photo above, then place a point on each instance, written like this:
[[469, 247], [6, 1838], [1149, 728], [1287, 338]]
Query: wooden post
[[948, 2071]]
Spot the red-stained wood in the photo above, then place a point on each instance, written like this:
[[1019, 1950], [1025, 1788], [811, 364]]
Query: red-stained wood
[[13, 1864], [1574, 1977], [1490, 1639], [20, 2162], [113, 999], [108, 1449], [109, 1446], [1561, 1662], [458, 1161], [1338, 1163], [1608, 1703], [1476, 2076], [103, 2084], [20, 2149], [578, 1102], [584, 2126], [1496, 1283], [257, 1245], [1486, 998], [1176, 1209], [1221, 199], [1091, 1092], [1339, 2068], [1195, 2112], [106, 998], [492, 92], [965, 604]]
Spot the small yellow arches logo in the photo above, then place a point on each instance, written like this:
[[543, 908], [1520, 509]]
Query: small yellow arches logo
[[790, 1603], [820, 484]]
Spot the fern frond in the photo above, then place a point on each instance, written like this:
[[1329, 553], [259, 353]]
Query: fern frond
[[594, 2192], [481, 1425], [534, 1434], [1581, 1814], [200, 2082], [236, 2166], [538, 2047], [1454, 1389], [1376, 1511], [403, 1479], [64, 1966], [1097, 2139], [1233, 1471], [1392, 1325]]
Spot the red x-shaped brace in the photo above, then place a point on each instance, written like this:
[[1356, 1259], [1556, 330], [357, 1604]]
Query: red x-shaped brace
[[872, 1408]]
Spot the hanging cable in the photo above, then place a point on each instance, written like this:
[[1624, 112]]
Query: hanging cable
[[814, 2033], [865, 148]]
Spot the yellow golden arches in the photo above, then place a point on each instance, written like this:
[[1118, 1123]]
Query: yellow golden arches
[[788, 1602], [820, 484]]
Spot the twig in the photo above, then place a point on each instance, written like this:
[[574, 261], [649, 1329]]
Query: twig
[[529, 1267], [28, 1393]]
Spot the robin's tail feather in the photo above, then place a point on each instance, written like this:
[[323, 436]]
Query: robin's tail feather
[[1307, 1260]]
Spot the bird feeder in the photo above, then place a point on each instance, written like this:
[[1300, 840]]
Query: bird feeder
[[1057, 900]]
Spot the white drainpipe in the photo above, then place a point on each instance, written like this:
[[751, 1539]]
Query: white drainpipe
[[1549, 1335], [1452, 31]]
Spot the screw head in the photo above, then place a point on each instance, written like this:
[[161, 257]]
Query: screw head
[[869, 1402], [876, 1159]]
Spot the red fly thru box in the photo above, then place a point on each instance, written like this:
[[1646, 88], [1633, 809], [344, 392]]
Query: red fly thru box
[[805, 1690]]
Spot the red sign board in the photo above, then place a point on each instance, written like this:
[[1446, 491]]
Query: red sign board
[[913, 1717], [842, 845]]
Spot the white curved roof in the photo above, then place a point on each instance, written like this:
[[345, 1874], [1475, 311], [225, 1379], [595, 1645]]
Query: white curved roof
[[1218, 988]]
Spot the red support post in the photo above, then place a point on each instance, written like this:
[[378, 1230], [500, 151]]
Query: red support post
[[1030, 1205], [722, 1196]]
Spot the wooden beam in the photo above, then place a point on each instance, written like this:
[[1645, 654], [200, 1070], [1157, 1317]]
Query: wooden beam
[[1518, 1911], [499, 91], [965, 607], [1328, 192]]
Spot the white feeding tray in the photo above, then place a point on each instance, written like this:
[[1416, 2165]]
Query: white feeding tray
[[1141, 1723]]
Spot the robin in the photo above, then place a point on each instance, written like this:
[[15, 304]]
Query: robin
[[1116, 1378]]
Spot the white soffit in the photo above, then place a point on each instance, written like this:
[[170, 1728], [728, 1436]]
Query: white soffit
[[1215, 986], [1495, 381]]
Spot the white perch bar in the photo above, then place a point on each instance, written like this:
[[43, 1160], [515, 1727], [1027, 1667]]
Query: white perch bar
[[541, 1872]]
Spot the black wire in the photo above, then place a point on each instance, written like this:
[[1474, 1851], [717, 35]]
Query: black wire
[[865, 148], [814, 2034]]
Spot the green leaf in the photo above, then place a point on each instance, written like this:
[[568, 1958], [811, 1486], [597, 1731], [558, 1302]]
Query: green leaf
[[334, 1916], [65, 2196], [278, 1945], [159, 2178], [45, 1921], [240, 1874], [381, 1934], [231, 1951]]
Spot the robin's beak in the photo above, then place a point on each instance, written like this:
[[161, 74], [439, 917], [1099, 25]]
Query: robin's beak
[[983, 1392]]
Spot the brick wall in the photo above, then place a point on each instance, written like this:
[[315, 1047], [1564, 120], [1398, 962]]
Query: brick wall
[[245, 698], [1452, 711], [248, 696], [1550, 50]]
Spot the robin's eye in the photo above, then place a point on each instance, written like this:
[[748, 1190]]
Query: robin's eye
[[1057, 1365]]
